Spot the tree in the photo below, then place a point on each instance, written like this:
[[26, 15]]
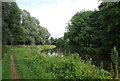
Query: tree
[[19, 27], [79, 32], [11, 22], [109, 15], [115, 60], [94, 33], [36, 33]]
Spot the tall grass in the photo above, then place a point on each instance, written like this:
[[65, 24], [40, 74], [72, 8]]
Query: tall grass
[[32, 64]]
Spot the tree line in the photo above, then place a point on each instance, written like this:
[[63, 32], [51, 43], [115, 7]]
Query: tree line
[[19, 27], [93, 34]]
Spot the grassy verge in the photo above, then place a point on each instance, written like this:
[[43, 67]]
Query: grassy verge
[[24, 58], [6, 70], [20, 55], [32, 64], [0, 69], [22, 63]]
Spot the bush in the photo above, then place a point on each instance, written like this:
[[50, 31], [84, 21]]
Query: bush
[[43, 66], [70, 67]]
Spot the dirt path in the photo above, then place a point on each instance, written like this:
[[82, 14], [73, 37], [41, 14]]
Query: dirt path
[[13, 69]]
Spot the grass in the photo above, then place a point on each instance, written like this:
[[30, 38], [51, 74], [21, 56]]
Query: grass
[[32, 64], [21, 63], [0, 69], [6, 70], [25, 61]]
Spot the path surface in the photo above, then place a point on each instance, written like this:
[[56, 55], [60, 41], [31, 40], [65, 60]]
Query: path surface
[[13, 69]]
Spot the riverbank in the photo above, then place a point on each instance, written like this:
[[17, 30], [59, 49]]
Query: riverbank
[[31, 63]]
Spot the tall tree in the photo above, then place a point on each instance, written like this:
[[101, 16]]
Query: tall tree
[[79, 32], [19, 27], [11, 22], [95, 33]]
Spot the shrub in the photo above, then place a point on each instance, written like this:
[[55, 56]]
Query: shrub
[[43, 66]]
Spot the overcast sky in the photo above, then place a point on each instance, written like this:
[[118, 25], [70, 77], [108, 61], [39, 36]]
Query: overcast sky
[[55, 14]]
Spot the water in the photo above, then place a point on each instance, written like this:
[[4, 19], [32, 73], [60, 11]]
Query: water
[[55, 54], [95, 61]]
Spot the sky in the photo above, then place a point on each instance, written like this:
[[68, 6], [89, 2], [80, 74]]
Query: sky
[[55, 14]]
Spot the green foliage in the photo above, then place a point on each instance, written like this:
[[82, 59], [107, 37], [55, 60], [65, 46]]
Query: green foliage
[[35, 65], [109, 17], [19, 25], [94, 33], [80, 33], [11, 22], [114, 56], [115, 60], [89, 33], [35, 34], [6, 69]]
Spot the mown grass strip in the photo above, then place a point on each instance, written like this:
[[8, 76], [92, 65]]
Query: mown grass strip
[[22, 63], [6, 71]]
